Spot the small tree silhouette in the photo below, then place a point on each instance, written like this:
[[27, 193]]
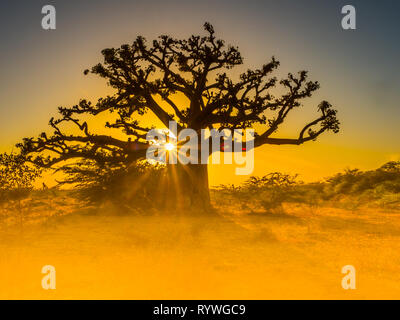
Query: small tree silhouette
[[277, 186], [16, 180], [391, 166], [188, 81]]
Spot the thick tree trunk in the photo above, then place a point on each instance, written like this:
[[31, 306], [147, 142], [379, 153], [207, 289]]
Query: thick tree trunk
[[187, 187]]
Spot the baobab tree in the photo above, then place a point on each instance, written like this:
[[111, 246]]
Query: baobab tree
[[182, 80]]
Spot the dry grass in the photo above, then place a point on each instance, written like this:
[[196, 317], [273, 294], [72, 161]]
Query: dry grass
[[245, 253]]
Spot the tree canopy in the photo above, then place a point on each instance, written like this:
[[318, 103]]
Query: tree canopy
[[197, 68]]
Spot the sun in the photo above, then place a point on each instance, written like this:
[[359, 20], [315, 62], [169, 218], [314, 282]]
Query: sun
[[169, 146]]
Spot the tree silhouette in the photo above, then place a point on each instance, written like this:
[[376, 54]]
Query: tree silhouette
[[150, 78], [16, 180]]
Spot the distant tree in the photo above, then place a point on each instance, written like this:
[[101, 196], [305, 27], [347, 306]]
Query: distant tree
[[391, 166], [186, 81], [272, 180], [276, 188], [16, 179]]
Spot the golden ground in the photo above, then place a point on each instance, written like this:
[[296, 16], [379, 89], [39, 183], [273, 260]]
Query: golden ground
[[294, 255]]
